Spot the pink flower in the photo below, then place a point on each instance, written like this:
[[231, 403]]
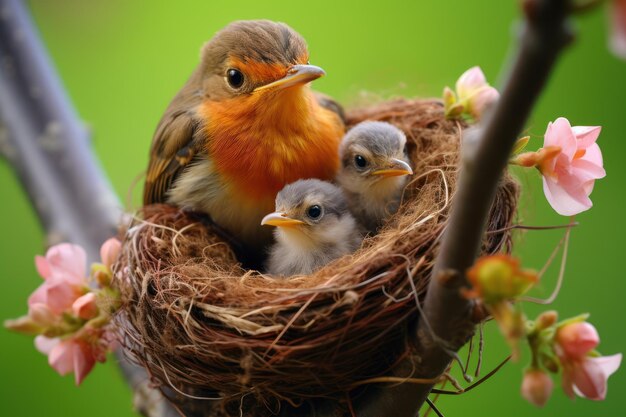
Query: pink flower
[[588, 377], [474, 92], [67, 356], [60, 301], [584, 374], [537, 387], [617, 41], [577, 339], [109, 251], [473, 95], [569, 176], [63, 270]]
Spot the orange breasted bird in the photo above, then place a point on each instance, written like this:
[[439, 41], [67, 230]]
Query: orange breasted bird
[[244, 125]]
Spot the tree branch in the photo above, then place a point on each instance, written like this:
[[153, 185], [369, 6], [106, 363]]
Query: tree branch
[[48, 147], [43, 139], [447, 322]]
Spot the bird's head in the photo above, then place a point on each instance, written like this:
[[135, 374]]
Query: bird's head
[[373, 155], [257, 58], [310, 212]]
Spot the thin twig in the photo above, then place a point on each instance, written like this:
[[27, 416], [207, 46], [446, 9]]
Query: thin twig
[[433, 407], [475, 384], [559, 281]]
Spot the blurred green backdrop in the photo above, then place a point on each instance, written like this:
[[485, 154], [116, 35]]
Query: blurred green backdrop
[[122, 61]]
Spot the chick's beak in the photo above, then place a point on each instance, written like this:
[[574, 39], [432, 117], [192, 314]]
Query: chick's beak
[[280, 220], [397, 168], [296, 75]]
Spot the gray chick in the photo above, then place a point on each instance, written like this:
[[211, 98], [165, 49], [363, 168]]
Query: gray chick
[[374, 171], [313, 227]]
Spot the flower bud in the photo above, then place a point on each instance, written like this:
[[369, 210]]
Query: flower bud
[[537, 387], [577, 339], [110, 251], [546, 319], [101, 274], [520, 144], [449, 98]]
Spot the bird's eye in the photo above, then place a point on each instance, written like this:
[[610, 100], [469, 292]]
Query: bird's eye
[[314, 211], [360, 161], [234, 78]]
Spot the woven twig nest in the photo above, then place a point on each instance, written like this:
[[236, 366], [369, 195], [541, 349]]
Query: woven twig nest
[[200, 323]]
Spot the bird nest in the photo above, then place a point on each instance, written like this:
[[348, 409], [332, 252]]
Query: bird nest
[[200, 323]]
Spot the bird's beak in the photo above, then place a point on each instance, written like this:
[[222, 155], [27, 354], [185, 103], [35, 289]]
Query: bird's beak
[[396, 169], [296, 75], [280, 220]]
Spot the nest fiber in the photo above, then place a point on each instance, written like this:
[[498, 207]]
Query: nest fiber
[[199, 322]]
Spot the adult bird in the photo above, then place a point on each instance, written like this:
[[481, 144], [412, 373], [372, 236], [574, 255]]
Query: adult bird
[[374, 171], [244, 125], [313, 227]]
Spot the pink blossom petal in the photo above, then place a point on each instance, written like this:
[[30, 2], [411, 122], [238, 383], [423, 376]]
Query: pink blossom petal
[[577, 339], [83, 363], [591, 375], [560, 134], [85, 306], [586, 135], [469, 81], [608, 364], [61, 357], [566, 381], [482, 99], [41, 314], [561, 201], [588, 382], [40, 295], [45, 344], [60, 296], [584, 170], [593, 154], [588, 187], [68, 260], [43, 269], [110, 251]]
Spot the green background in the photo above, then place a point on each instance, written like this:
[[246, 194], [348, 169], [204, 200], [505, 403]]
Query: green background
[[122, 61]]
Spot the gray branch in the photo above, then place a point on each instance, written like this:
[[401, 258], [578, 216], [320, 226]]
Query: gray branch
[[41, 136]]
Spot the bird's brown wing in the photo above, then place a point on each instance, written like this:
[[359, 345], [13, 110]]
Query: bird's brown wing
[[330, 104], [174, 146]]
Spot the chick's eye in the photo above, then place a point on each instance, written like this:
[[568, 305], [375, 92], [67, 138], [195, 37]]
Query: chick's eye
[[314, 211], [234, 78], [360, 161]]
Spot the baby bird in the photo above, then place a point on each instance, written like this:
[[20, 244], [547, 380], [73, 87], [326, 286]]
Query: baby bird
[[314, 227], [373, 173]]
